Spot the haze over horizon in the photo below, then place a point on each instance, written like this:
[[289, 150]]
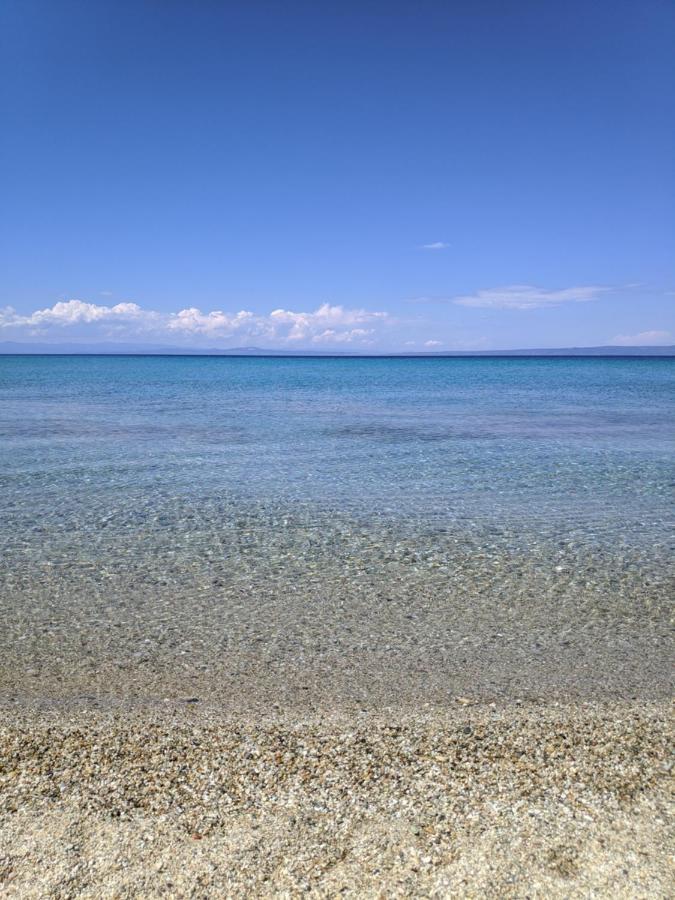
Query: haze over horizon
[[460, 177], [107, 348]]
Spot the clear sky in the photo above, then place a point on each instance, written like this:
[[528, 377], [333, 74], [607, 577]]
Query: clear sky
[[363, 175]]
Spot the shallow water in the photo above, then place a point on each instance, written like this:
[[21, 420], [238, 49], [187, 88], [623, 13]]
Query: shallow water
[[377, 529]]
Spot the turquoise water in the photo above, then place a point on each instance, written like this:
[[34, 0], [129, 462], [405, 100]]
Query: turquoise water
[[406, 437], [213, 494]]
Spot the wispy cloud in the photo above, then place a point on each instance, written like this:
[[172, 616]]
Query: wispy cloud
[[642, 339], [432, 344], [326, 325], [526, 296], [436, 245]]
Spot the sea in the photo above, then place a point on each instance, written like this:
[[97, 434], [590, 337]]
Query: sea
[[280, 531]]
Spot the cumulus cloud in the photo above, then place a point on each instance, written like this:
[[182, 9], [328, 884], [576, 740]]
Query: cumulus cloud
[[642, 339], [435, 245], [525, 296], [326, 321], [215, 323], [71, 312], [327, 324]]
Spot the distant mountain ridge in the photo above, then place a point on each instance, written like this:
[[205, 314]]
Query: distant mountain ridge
[[16, 348]]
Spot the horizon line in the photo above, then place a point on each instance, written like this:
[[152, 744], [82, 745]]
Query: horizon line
[[15, 348]]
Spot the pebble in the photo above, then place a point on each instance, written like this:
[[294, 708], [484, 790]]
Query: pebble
[[557, 796]]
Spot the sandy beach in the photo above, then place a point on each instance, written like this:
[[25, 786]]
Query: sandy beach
[[476, 800]]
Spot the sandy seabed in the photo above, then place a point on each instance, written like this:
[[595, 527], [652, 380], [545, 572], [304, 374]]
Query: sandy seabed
[[477, 800]]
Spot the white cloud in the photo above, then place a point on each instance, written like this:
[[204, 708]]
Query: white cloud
[[71, 312], [435, 245], [433, 344], [327, 318], [216, 323], [326, 325], [525, 296], [331, 336], [642, 339]]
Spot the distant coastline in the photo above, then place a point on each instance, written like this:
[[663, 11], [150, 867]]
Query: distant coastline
[[15, 348]]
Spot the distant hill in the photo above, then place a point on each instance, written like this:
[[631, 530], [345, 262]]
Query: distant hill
[[14, 348]]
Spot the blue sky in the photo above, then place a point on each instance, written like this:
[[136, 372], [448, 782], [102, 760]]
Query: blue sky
[[369, 176]]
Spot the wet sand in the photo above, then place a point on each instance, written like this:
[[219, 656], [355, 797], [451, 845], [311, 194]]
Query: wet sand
[[473, 799]]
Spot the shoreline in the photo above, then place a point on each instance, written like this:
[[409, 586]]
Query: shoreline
[[511, 799]]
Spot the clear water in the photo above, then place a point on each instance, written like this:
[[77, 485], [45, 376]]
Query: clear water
[[195, 512]]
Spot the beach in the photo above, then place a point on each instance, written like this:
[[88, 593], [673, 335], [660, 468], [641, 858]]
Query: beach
[[517, 800]]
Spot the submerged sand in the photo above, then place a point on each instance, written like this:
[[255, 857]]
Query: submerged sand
[[476, 800]]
